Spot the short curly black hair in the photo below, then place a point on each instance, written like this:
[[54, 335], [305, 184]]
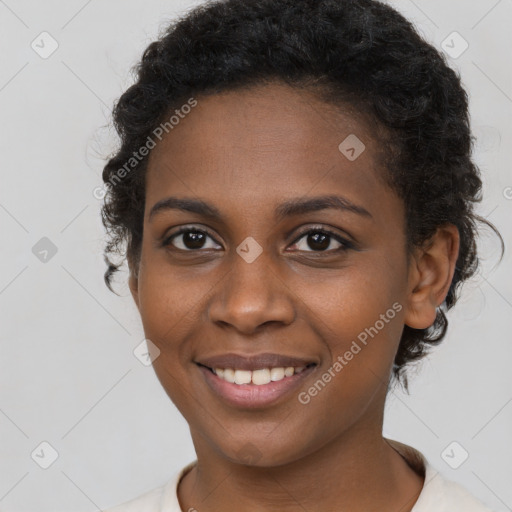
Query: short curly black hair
[[357, 52]]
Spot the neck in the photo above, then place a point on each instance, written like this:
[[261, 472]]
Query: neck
[[357, 471]]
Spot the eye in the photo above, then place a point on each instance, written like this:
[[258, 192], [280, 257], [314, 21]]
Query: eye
[[321, 240], [189, 239]]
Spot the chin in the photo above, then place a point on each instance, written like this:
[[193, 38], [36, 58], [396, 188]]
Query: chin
[[262, 453]]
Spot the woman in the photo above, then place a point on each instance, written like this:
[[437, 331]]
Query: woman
[[295, 190]]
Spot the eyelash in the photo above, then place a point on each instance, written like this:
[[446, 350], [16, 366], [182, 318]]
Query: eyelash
[[345, 244]]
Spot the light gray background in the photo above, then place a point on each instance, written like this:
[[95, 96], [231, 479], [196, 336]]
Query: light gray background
[[68, 375]]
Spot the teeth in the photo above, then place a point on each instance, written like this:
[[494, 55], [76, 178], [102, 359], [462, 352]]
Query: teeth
[[276, 374], [242, 376], [257, 377], [260, 377], [228, 375]]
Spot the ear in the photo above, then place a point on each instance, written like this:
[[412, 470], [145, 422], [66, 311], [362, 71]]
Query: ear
[[133, 282], [431, 270]]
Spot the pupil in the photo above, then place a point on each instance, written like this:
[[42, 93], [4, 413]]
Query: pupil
[[193, 239], [316, 241], [320, 239]]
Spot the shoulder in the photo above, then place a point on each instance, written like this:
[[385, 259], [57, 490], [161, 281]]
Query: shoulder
[[458, 498], [443, 495], [149, 502], [163, 498], [439, 494]]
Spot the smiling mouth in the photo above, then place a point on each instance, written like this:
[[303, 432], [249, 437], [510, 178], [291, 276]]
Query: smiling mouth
[[255, 386], [257, 377]]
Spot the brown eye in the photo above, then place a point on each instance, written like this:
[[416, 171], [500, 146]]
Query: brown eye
[[189, 239], [321, 240]]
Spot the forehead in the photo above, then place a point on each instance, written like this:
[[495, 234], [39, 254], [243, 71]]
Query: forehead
[[265, 142]]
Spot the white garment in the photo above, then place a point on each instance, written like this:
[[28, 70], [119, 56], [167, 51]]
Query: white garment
[[438, 494]]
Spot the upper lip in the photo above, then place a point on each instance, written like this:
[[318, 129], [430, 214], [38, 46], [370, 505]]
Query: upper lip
[[253, 362]]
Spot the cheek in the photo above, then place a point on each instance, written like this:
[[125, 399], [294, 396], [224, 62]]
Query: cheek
[[163, 306], [353, 300], [361, 347], [172, 306], [167, 313], [166, 297], [360, 318]]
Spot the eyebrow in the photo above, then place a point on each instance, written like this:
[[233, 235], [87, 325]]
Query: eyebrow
[[296, 206]]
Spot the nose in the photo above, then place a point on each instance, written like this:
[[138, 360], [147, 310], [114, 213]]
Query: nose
[[252, 295]]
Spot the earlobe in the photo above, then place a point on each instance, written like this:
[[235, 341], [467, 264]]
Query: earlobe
[[430, 275]]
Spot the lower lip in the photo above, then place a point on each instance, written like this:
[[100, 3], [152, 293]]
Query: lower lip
[[251, 395]]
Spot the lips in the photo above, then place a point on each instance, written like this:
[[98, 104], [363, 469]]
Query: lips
[[241, 381], [251, 396], [254, 362]]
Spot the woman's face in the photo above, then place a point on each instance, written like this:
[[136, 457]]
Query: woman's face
[[260, 274]]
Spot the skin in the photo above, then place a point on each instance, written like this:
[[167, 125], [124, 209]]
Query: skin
[[245, 152]]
